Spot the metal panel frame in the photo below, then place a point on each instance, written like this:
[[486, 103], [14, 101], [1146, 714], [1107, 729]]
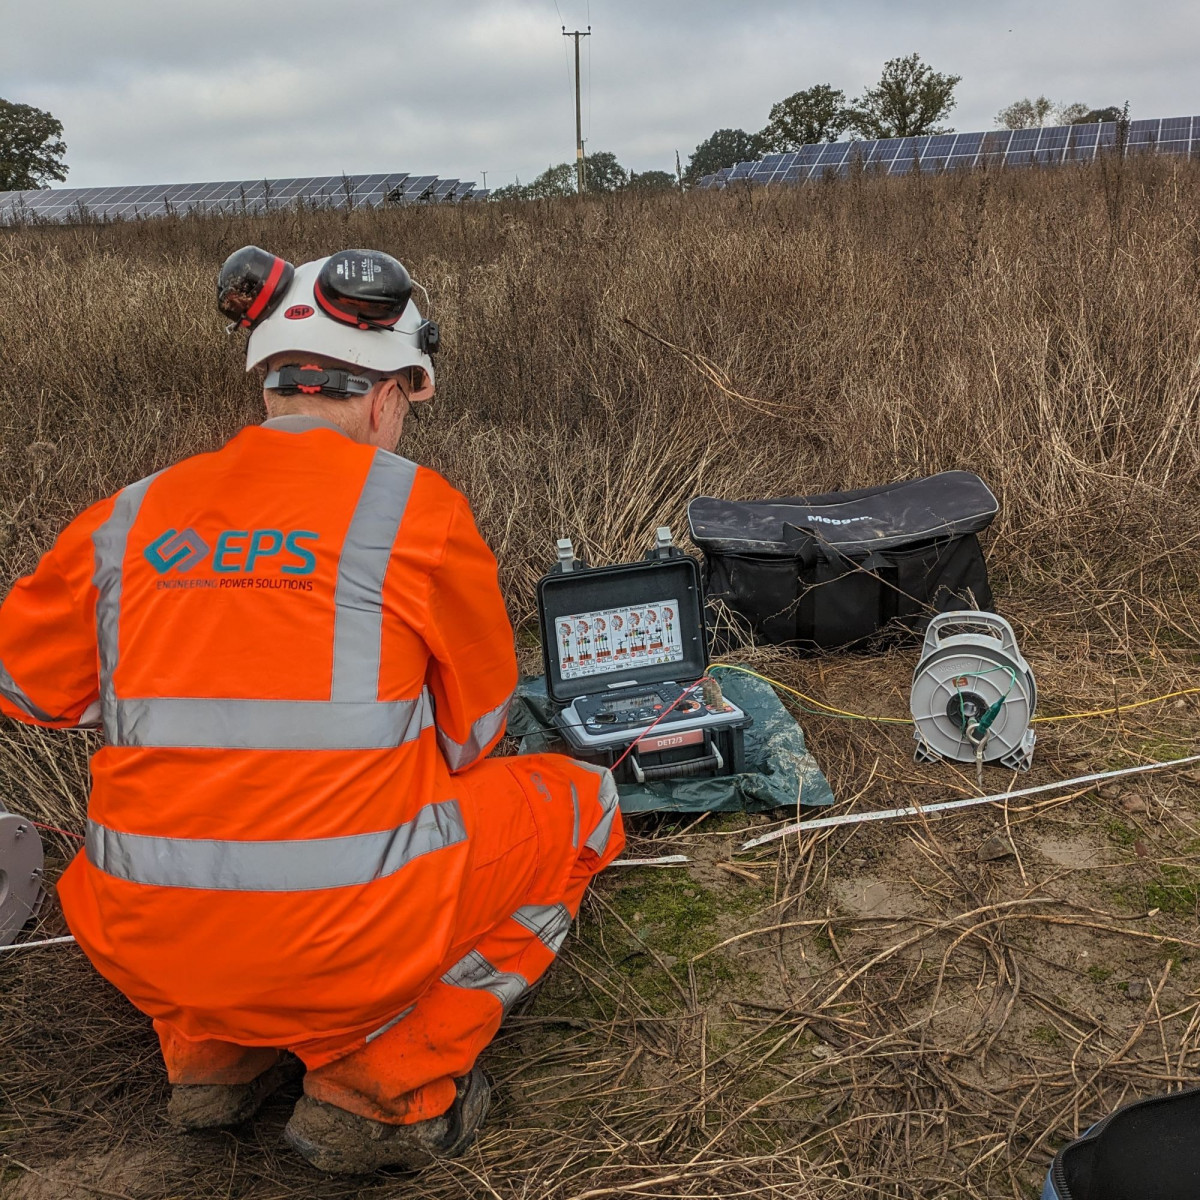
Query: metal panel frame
[[1048, 145]]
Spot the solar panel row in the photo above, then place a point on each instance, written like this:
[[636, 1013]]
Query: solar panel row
[[1051, 144], [253, 195]]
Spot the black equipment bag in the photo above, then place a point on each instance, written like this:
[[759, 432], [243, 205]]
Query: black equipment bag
[[847, 568], [1148, 1150]]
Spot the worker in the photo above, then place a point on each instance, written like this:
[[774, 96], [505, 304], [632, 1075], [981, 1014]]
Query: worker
[[298, 854]]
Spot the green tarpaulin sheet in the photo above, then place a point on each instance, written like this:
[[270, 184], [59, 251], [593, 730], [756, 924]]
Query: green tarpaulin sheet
[[780, 772]]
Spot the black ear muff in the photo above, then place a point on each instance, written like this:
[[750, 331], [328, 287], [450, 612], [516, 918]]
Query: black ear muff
[[366, 288], [251, 284]]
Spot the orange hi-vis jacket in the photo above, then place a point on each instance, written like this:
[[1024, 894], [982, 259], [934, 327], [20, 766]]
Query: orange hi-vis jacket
[[293, 645]]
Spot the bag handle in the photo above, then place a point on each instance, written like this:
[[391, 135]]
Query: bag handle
[[811, 551], [825, 551]]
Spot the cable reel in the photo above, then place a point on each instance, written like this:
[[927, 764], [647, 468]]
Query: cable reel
[[22, 868], [973, 695]]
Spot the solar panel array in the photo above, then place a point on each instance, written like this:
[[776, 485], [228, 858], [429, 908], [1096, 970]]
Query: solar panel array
[[251, 195], [1050, 145]]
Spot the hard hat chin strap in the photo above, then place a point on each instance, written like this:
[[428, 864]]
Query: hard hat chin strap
[[313, 380]]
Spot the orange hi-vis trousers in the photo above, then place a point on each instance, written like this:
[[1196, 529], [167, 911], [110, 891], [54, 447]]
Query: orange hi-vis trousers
[[405, 1070]]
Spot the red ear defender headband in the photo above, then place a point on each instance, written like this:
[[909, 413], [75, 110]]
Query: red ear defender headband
[[363, 287], [251, 284]]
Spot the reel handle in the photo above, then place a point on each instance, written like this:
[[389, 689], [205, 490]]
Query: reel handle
[[992, 623]]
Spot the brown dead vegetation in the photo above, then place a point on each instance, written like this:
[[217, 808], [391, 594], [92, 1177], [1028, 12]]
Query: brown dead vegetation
[[883, 1014]]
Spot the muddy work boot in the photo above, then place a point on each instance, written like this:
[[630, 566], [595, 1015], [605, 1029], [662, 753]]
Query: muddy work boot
[[344, 1143], [195, 1106]]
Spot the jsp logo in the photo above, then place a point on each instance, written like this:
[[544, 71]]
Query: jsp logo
[[179, 550], [238, 551]]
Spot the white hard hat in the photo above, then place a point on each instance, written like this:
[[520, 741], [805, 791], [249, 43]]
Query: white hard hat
[[297, 324]]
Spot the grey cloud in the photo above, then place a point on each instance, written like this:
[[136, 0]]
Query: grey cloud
[[153, 92]]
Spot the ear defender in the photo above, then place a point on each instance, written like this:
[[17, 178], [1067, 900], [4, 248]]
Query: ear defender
[[251, 284], [365, 288]]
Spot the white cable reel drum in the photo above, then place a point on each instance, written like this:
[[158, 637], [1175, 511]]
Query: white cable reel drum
[[972, 686], [21, 873]]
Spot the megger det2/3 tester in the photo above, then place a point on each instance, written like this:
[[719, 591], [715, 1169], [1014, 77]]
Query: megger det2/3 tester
[[624, 647]]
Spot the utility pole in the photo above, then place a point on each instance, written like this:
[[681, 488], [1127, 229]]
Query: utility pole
[[579, 183]]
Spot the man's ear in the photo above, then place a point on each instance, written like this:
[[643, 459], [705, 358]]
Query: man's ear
[[379, 399]]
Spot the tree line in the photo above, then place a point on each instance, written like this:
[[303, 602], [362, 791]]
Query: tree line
[[1031, 114], [910, 99], [602, 173], [32, 149]]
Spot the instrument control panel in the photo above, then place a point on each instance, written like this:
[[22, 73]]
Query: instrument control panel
[[606, 718]]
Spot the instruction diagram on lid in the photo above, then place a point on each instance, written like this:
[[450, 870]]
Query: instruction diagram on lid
[[618, 639]]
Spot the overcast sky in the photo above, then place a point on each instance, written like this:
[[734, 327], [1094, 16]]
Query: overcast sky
[[186, 91]]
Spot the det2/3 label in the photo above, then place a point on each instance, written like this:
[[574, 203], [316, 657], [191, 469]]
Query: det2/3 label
[[617, 639]]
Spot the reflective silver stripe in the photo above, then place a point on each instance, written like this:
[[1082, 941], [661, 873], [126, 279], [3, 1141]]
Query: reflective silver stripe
[[388, 1024], [475, 972], [609, 802], [14, 695], [462, 754], [299, 865], [366, 553], [192, 723], [551, 923], [109, 541], [575, 827]]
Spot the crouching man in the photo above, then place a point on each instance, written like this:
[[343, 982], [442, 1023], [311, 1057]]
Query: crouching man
[[299, 655]]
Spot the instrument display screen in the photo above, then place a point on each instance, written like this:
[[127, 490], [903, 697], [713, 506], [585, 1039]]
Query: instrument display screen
[[618, 639], [624, 703]]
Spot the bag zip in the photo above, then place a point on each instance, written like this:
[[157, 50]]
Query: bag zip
[[853, 555], [1058, 1175]]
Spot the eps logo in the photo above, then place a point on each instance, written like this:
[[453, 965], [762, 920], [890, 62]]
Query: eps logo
[[238, 551]]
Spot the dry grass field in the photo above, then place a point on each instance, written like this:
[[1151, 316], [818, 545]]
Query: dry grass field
[[866, 1012]]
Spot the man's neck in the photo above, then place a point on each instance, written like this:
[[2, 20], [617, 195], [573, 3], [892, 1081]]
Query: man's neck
[[303, 422]]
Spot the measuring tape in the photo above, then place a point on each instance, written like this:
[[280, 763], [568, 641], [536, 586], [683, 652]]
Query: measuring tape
[[888, 814]]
